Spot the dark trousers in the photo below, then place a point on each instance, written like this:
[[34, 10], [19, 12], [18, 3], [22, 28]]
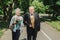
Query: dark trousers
[[15, 35], [31, 34]]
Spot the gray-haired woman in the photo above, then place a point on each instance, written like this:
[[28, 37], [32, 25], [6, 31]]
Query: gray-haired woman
[[16, 24]]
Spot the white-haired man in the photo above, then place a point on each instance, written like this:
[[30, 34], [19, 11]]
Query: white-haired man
[[31, 20], [16, 24]]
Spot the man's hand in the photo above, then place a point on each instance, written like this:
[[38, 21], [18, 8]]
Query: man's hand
[[30, 25], [25, 21]]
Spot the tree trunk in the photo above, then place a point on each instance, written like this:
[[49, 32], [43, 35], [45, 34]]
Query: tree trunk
[[5, 13], [10, 12]]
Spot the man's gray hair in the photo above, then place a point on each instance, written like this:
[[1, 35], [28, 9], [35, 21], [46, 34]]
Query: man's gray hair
[[31, 7]]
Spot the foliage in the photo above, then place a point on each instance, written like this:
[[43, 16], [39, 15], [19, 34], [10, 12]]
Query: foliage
[[24, 5], [1, 32], [49, 2], [58, 2], [55, 24], [5, 2], [58, 17], [54, 7], [39, 7], [1, 11], [40, 0]]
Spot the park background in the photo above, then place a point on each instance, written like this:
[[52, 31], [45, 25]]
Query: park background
[[49, 8]]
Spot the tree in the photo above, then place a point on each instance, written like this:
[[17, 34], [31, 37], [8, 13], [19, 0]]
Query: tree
[[49, 2], [39, 7], [4, 5], [7, 8], [16, 3], [24, 5], [53, 6]]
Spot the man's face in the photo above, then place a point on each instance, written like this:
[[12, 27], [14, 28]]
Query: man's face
[[31, 10]]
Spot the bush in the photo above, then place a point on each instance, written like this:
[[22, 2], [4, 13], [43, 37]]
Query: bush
[[58, 2], [39, 7], [1, 33], [1, 12], [58, 17]]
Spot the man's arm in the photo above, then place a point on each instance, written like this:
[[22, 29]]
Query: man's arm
[[24, 19], [38, 22], [26, 22]]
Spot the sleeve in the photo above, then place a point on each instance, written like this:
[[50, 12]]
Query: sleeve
[[25, 19], [22, 25], [38, 22], [11, 22], [22, 22]]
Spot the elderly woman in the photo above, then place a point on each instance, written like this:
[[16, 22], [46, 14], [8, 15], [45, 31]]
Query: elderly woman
[[16, 24]]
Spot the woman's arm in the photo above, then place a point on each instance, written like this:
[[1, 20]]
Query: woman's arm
[[22, 24], [12, 23]]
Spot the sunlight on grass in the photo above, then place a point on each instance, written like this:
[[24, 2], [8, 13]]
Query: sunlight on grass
[[55, 24], [1, 33]]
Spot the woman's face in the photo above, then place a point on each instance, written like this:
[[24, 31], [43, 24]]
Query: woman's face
[[18, 12]]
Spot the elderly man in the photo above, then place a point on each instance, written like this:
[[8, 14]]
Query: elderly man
[[16, 24], [31, 20]]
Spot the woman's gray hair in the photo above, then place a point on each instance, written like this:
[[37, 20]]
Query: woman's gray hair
[[17, 9]]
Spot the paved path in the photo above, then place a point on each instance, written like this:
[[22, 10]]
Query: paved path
[[46, 33]]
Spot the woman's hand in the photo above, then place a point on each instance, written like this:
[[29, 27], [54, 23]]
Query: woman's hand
[[10, 27], [14, 23]]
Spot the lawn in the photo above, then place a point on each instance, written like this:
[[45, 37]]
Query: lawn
[[55, 24], [3, 25], [1, 33]]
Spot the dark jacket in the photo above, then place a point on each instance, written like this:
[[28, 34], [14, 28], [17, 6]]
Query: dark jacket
[[27, 21]]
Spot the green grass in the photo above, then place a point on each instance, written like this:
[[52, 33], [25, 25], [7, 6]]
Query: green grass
[[55, 24], [3, 26], [1, 33]]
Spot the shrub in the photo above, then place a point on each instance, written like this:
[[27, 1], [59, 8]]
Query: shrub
[[58, 2], [1, 12], [39, 7], [58, 17]]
